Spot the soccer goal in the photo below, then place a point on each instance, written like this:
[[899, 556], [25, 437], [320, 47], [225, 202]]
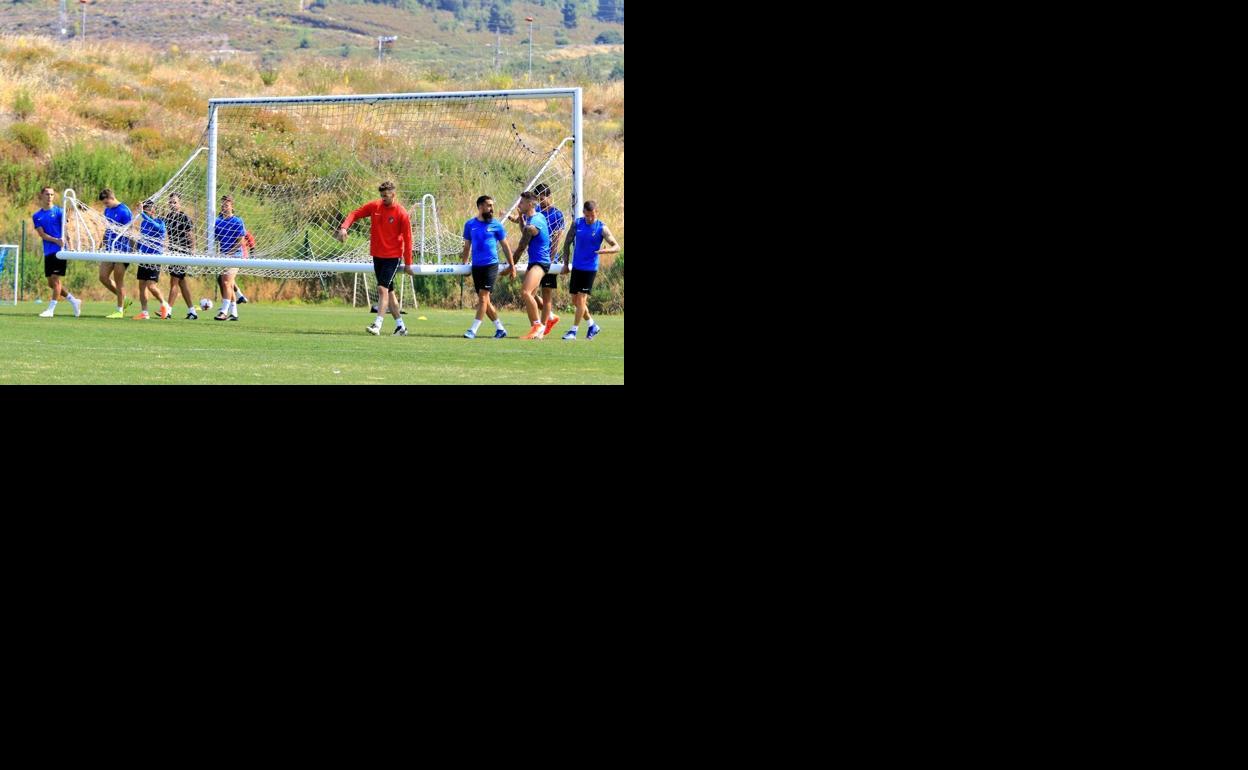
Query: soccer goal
[[296, 166]]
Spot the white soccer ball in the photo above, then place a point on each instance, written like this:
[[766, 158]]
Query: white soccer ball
[[205, 304]]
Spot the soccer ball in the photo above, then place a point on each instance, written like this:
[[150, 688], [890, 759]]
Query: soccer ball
[[205, 304]]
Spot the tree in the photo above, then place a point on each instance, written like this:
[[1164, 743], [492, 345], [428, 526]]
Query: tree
[[569, 14], [607, 10], [610, 36]]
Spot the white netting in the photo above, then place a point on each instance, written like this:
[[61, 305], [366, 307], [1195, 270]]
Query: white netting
[[296, 169]]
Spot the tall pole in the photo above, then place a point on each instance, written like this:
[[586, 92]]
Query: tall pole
[[529, 19], [211, 218], [64, 18], [498, 44], [84, 20], [578, 158]]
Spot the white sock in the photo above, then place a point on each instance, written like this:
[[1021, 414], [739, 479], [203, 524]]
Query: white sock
[[70, 296], [120, 309], [51, 304], [381, 320], [475, 325], [498, 324], [398, 322], [573, 330]]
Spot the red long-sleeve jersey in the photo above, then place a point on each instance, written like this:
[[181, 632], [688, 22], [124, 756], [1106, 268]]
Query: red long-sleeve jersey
[[391, 230]]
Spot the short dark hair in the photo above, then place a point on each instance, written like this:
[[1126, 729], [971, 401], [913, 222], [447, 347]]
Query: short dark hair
[[227, 197], [590, 206], [542, 189], [46, 187], [106, 193], [528, 195], [149, 203], [386, 185], [174, 195], [483, 199]]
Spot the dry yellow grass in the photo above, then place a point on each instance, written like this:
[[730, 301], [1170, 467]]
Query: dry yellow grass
[[168, 91]]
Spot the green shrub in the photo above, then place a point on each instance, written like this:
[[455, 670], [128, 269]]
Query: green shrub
[[118, 117], [147, 140], [33, 137], [23, 105]]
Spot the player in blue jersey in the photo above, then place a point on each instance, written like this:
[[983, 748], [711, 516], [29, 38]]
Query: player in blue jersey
[[49, 220], [482, 238], [555, 220], [113, 274], [587, 234], [535, 238], [229, 234], [151, 241]]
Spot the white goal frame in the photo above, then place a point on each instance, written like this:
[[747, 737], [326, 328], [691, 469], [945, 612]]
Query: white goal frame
[[322, 266]]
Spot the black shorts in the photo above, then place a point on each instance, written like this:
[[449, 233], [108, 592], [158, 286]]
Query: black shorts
[[550, 281], [384, 270], [54, 265], [149, 273], [177, 271], [582, 281], [483, 277], [545, 266]]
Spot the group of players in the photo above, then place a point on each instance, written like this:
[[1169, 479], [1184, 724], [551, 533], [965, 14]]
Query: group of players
[[542, 229], [176, 225]]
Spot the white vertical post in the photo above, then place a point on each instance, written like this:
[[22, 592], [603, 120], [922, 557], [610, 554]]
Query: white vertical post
[[578, 158], [211, 215], [355, 287]]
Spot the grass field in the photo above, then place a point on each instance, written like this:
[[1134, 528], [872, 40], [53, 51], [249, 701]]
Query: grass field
[[294, 344]]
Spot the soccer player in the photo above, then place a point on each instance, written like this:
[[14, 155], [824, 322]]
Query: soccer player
[[536, 239], [482, 236], [249, 242], [152, 232], [588, 234], [390, 236], [229, 233], [554, 218], [113, 274], [181, 241], [48, 222]]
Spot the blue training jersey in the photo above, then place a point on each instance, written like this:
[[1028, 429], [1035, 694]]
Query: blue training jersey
[[554, 217], [152, 229], [588, 241], [229, 234], [50, 220], [120, 215], [484, 237], [539, 245]]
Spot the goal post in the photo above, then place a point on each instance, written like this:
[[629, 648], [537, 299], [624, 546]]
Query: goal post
[[296, 166]]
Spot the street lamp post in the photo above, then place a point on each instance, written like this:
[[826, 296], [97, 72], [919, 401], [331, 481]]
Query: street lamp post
[[83, 3], [529, 19]]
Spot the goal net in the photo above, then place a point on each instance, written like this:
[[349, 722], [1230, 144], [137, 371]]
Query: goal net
[[296, 166]]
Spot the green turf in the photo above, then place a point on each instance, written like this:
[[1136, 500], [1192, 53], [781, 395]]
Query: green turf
[[294, 344]]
